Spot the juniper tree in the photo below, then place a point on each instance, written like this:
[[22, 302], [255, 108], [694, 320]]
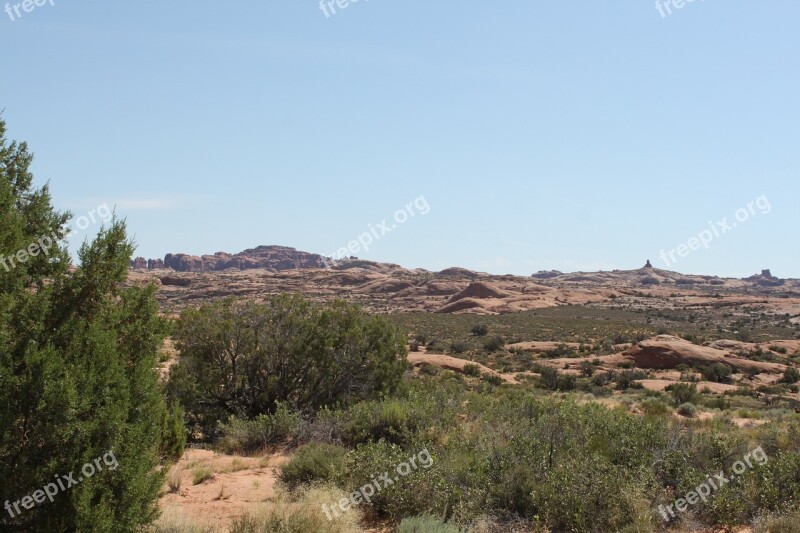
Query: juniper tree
[[78, 353]]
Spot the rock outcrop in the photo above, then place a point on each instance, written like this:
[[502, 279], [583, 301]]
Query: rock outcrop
[[478, 290], [766, 279], [263, 257], [667, 352]]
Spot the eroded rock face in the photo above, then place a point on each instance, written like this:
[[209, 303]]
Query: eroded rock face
[[263, 257], [667, 352], [547, 274], [478, 290], [383, 287], [766, 279]]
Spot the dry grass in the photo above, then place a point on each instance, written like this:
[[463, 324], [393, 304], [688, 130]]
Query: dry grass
[[301, 512], [176, 523], [201, 474], [174, 480]]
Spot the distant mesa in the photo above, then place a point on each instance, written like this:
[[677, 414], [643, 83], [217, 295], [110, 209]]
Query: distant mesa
[[457, 272], [547, 274], [262, 257], [766, 279], [140, 263]]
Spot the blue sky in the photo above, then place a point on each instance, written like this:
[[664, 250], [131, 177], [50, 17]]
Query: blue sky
[[542, 135]]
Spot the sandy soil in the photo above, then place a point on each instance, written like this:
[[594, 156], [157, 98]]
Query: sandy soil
[[238, 486]]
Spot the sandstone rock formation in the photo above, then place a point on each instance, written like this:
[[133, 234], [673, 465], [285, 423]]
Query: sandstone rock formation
[[766, 279], [262, 257], [667, 352]]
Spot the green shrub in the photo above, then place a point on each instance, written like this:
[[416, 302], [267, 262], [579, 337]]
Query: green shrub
[[79, 348], [561, 350], [241, 357], [201, 474], [687, 409], [313, 462], [173, 433], [493, 379], [779, 523], [430, 370], [247, 436], [480, 329], [472, 370], [301, 511], [683, 393], [791, 375], [717, 372], [655, 407], [717, 402], [627, 379], [416, 493], [425, 524], [392, 420], [566, 382], [459, 346], [587, 494], [494, 344], [549, 378]]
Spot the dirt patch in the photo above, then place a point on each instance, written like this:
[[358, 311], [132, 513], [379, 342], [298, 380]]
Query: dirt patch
[[237, 486]]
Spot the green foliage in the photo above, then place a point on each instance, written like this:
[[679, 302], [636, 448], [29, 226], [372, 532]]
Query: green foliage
[[76, 378], [459, 346], [655, 407], [305, 510], [313, 462], [549, 378], [577, 467], [77, 358], [684, 393], [687, 409], [493, 344], [779, 523], [240, 358], [791, 375], [480, 329], [717, 372], [717, 402], [562, 350], [472, 370], [173, 433], [587, 494], [425, 524], [201, 474], [493, 379], [415, 493], [248, 436], [391, 420]]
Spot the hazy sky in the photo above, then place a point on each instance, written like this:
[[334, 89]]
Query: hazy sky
[[540, 135]]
